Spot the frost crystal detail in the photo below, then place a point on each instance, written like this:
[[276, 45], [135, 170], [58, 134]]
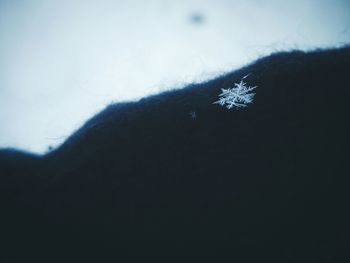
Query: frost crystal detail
[[238, 96]]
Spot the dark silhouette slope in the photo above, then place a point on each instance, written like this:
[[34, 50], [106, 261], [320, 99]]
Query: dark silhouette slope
[[145, 180]]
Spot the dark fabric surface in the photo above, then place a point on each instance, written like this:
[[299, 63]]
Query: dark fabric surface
[[147, 181]]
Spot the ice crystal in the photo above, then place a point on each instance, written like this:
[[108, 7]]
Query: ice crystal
[[238, 96], [193, 115]]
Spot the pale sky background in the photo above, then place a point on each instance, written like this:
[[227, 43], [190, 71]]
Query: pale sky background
[[61, 61]]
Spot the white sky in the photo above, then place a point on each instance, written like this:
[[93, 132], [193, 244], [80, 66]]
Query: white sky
[[61, 61]]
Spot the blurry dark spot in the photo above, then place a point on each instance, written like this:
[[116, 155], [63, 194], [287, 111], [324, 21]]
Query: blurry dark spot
[[197, 18]]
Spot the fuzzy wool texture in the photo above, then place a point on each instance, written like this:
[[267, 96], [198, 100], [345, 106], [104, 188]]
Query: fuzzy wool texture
[[174, 177]]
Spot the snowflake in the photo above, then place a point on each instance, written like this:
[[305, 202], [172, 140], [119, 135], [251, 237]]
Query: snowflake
[[238, 96]]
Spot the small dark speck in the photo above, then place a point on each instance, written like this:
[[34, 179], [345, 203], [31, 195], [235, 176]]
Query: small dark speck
[[197, 18]]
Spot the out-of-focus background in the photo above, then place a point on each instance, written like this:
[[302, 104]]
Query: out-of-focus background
[[61, 61]]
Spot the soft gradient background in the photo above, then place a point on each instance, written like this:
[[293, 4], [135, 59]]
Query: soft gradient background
[[61, 61]]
